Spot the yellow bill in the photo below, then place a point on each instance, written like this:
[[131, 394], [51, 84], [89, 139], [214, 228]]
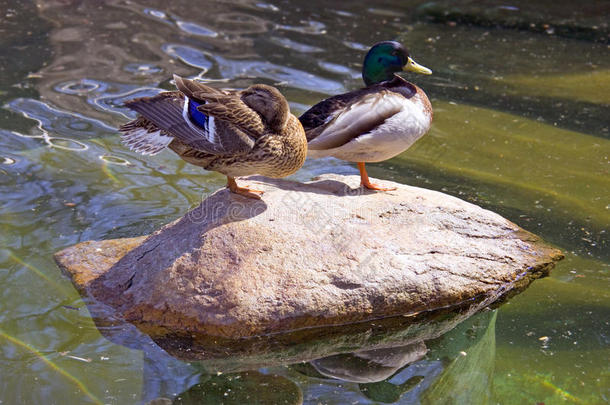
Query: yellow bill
[[413, 66]]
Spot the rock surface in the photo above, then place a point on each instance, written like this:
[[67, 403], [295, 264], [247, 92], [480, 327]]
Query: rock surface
[[306, 255]]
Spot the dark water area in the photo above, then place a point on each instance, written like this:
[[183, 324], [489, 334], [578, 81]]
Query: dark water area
[[521, 94]]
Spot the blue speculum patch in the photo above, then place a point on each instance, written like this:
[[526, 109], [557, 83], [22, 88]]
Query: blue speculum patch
[[197, 117]]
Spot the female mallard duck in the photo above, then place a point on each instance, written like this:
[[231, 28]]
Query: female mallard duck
[[236, 133], [374, 123]]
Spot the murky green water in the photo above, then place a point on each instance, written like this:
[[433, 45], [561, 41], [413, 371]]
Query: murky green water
[[521, 99]]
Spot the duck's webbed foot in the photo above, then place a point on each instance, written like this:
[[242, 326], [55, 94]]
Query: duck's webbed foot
[[245, 191], [364, 180]]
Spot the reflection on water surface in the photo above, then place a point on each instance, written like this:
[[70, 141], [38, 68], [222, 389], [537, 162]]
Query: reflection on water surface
[[520, 93]]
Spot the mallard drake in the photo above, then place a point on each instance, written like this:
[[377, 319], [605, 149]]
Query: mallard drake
[[374, 123], [236, 133]]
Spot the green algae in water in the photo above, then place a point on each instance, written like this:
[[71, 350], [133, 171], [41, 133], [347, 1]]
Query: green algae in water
[[250, 387], [592, 86], [472, 368], [51, 364], [537, 169], [535, 157], [535, 76]]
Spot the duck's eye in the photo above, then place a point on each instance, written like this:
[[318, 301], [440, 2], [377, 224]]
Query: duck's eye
[[394, 53]]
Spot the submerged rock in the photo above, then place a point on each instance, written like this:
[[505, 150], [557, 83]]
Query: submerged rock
[[306, 255]]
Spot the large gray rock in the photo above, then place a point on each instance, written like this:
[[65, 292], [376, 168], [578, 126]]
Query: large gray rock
[[306, 255]]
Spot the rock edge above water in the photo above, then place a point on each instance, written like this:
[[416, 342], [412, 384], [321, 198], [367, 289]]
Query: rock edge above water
[[306, 255]]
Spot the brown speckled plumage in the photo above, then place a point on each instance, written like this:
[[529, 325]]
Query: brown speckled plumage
[[243, 132], [272, 155]]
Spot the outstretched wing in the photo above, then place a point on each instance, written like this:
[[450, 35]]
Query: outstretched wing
[[223, 106], [169, 112]]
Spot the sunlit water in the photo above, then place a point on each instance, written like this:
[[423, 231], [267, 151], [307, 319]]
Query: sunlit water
[[521, 127]]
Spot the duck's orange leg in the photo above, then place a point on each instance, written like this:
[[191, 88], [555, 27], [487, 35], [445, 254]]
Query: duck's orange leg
[[364, 180], [245, 191]]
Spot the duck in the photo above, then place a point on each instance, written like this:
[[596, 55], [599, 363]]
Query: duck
[[374, 123], [233, 132]]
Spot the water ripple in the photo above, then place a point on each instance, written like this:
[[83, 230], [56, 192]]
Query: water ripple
[[142, 69], [115, 103], [189, 55], [267, 6], [339, 69], [196, 29], [66, 144], [235, 24], [279, 74], [297, 46], [50, 120], [356, 45], [115, 160], [310, 27], [81, 86], [158, 14]]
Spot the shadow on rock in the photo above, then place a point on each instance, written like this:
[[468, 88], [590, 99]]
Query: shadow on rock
[[163, 248]]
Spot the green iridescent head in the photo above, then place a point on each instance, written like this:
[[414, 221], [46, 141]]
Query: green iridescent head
[[385, 59]]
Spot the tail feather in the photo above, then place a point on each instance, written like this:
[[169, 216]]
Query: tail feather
[[142, 136], [166, 112]]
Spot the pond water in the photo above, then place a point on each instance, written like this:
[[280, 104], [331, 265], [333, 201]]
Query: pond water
[[521, 94]]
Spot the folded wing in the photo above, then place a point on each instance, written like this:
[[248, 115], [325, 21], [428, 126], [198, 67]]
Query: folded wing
[[340, 123]]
